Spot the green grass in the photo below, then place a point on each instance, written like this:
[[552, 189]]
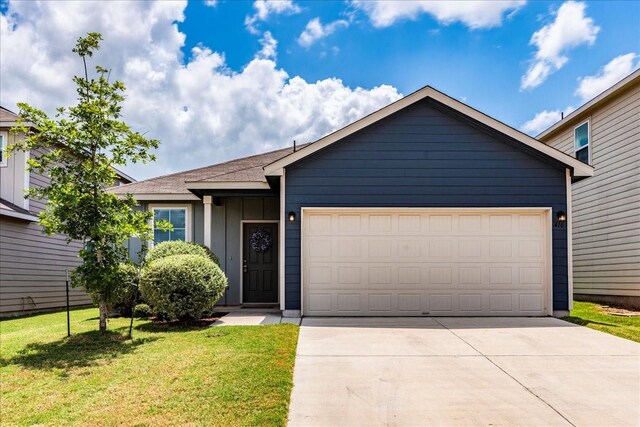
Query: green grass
[[166, 375], [591, 315]]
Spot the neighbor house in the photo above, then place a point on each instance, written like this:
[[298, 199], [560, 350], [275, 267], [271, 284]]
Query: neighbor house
[[425, 207], [32, 265], [605, 133]]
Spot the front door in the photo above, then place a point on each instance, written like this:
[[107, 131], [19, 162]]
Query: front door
[[260, 263]]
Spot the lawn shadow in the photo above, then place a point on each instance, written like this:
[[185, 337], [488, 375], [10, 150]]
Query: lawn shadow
[[78, 351], [585, 322], [176, 326]]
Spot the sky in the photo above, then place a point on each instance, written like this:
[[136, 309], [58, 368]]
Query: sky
[[216, 80]]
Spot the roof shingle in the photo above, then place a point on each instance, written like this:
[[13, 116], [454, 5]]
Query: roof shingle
[[246, 169]]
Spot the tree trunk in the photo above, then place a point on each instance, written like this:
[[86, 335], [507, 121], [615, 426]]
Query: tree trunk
[[102, 305]]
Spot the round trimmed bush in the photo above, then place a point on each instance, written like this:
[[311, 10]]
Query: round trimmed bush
[[142, 311], [125, 292], [182, 286], [178, 247]]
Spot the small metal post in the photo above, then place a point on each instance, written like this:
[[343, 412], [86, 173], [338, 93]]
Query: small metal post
[[68, 309], [135, 302]]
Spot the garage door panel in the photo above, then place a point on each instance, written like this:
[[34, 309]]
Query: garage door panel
[[433, 276], [417, 263], [377, 249], [375, 303]]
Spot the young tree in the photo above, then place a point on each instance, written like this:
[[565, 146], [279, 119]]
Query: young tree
[[78, 150]]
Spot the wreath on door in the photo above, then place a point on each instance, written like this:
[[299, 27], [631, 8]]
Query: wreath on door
[[261, 240]]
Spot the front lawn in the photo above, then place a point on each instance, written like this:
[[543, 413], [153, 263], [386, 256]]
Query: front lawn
[[593, 316], [166, 375]]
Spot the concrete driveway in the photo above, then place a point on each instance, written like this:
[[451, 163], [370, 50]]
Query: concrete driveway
[[462, 371]]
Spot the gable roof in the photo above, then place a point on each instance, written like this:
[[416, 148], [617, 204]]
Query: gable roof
[[624, 84], [7, 115], [244, 173], [277, 167], [125, 178], [250, 173]]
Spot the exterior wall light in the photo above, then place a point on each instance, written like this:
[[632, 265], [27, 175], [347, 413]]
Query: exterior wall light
[[292, 216], [562, 217]]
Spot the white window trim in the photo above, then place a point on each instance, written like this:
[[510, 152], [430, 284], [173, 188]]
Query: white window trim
[[3, 146], [187, 224], [589, 142]]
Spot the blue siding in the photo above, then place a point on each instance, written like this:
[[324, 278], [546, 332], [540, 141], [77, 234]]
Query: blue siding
[[425, 156]]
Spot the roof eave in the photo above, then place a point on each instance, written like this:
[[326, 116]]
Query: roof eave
[[13, 123], [228, 185], [142, 197], [18, 215]]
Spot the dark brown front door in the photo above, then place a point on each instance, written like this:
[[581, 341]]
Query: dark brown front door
[[260, 263]]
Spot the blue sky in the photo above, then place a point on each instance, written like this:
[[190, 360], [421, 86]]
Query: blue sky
[[483, 66], [216, 80]]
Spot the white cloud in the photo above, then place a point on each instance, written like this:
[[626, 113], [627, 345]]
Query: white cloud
[[269, 46], [570, 28], [544, 119], [266, 8], [315, 31], [618, 68], [472, 13], [211, 3], [588, 87], [541, 121], [202, 111]]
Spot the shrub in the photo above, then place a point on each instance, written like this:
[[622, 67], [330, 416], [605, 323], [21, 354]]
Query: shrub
[[178, 247], [182, 286], [142, 311], [127, 277]]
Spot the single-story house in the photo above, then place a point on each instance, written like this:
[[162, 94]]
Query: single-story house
[[605, 133], [426, 207]]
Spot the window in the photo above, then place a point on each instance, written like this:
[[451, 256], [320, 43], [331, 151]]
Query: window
[[178, 217], [3, 149], [582, 142]]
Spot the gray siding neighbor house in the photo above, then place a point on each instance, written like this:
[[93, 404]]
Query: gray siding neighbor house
[[32, 265], [425, 207], [605, 133]]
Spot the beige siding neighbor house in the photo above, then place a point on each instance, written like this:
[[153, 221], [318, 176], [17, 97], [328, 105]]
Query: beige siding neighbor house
[[605, 132], [32, 265]]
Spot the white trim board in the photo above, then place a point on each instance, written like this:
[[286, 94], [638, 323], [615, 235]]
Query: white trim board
[[579, 169], [161, 197], [569, 225], [18, 215], [228, 185], [241, 258], [282, 236], [207, 201]]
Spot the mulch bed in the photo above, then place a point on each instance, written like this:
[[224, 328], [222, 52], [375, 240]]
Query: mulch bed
[[620, 311], [200, 323]]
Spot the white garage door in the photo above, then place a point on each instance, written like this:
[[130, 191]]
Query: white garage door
[[416, 262]]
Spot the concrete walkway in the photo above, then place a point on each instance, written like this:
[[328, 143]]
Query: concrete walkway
[[245, 317], [462, 371]]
